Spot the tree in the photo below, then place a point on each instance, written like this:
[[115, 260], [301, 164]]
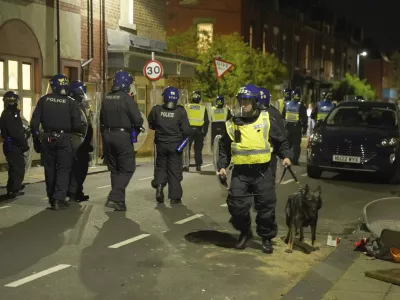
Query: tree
[[250, 66], [352, 85]]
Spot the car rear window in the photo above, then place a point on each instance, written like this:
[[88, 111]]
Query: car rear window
[[362, 116]]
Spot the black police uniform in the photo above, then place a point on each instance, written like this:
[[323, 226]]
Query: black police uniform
[[119, 115], [248, 183], [172, 127], [295, 131], [59, 116], [197, 136], [80, 165], [14, 146], [279, 121]]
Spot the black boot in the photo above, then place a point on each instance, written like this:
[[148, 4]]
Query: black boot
[[159, 194], [198, 168], [176, 201], [118, 206], [244, 237], [267, 246], [58, 205]]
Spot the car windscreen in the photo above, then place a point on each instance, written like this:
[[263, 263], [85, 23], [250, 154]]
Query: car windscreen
[[367, 116]]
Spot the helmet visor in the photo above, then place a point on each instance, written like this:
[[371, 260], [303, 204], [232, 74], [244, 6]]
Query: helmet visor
[[244, 106]]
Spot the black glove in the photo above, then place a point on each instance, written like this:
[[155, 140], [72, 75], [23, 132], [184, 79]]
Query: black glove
[[37, 145]]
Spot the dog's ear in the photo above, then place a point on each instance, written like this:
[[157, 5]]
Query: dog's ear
[[318, 191]]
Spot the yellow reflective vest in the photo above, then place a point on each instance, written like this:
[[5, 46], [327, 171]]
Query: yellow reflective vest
[[254, 146], [219, 114], [195, 114]]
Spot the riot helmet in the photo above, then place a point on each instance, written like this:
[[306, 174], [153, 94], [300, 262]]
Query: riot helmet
[[78, 90], [196, 97], [220, 101], [327, 96], [287, 94], [170, 97], [296, 95], [265, 98], [10, 99], [246, 101], [122, 82], [59, 84]]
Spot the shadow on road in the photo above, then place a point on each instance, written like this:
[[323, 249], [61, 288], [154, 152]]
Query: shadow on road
[[129, 272], [27, 242]]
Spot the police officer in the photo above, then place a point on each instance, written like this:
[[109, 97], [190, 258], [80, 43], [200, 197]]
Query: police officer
[[171, 124], [249, 140], [14, 144], [59, 116], [121, 121], [80, 165], [275, 115], [198, 119], [219, 115], [287, 96], [323, 107], [295, 114]]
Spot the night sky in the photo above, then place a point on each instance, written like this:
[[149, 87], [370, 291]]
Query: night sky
[[379, 18]]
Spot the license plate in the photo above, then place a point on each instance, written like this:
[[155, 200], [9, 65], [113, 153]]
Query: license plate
[[347, 159]]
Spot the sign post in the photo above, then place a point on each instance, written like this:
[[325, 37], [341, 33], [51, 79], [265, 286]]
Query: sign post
[[221, 67], [153, 71]]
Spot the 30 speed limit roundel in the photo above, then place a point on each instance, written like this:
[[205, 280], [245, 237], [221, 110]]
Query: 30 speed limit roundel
[[153, 70]]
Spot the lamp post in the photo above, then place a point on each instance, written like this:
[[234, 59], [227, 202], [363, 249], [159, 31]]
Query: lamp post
[[364, 53]]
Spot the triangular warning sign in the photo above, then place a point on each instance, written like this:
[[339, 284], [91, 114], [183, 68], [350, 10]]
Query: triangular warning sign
[[221, 67]]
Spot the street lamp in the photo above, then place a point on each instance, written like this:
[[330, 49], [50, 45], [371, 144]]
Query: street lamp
[[364, 53]]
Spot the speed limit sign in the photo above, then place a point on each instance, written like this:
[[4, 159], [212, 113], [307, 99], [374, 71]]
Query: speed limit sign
[[153, 70]]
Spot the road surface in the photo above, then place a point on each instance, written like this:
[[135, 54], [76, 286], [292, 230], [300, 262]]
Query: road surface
[[161, 252]]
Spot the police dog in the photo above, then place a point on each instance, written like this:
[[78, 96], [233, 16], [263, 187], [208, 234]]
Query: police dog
[[302, 211]]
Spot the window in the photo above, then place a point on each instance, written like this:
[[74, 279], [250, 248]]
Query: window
[[16, 74], [141, 98], [307, 58], [251, 33], [71, 73], [322, 56], [126, 18], [265, 31], [205, 35]]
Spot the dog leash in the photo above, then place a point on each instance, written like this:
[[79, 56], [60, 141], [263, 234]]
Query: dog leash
[[283, 175]]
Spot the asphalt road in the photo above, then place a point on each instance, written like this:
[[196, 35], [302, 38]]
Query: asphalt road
[[161, 252]]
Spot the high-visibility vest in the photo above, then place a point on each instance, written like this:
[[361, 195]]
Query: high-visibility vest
[[281, 105], [219, 114], [292, 112], [195, 114], [254, 146], [324, 107]]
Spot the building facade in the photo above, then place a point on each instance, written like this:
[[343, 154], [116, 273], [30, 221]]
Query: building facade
[[316, 48]]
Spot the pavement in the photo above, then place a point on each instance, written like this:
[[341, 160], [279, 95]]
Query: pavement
[[169, 252]]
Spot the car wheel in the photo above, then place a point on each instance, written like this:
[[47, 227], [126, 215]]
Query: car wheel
[[314, 172]]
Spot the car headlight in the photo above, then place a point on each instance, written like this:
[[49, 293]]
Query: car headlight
[[389, 142], [315, 138]]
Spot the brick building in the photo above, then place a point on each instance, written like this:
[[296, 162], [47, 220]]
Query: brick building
[[316, 47], [379, 71]]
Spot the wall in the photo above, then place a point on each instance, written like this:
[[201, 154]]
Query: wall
[[373, 74], [226, 15], [149, 17]]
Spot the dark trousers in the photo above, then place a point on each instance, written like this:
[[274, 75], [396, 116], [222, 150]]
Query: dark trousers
[[57, 161], [294, 133], [80, 167], [16, 167], [198, 139], [120, 161], [274, 165], [216, 128], [250, 181], [168, 169]]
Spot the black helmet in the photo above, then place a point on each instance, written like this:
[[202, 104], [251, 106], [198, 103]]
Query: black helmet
[[10, 99]]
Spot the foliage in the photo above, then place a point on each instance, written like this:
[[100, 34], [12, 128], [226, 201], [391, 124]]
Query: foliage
[[250, 66], [352, 85]]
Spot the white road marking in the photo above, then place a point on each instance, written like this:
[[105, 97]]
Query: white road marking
[[146, 178], [1, 207], [128, 241], [287, 181], [37, 275], [189, 219], [207, 165], [303, 175], [104, 186], [45, 198], [224, 205]]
